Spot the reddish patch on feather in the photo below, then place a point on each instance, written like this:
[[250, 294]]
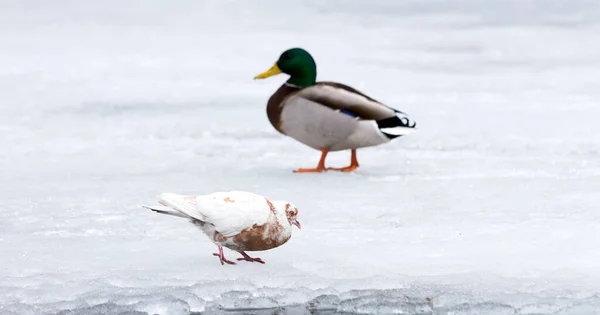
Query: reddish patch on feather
[[253, 239], [270, 205], [227, 199], [290, 212], [218, 237]]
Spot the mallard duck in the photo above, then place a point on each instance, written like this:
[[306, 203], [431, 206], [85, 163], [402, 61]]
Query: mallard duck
[[328, 116]]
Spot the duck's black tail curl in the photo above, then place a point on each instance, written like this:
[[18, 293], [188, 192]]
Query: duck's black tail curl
[[396, 126]]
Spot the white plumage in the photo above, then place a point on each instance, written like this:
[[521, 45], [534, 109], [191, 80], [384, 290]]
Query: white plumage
[[241, 221]]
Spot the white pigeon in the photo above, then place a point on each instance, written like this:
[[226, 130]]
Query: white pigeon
[[238, 220]]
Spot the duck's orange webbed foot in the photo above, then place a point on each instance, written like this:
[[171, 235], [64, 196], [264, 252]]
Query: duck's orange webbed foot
[[310, 170], [320, 167], [353, 164], [348, 168]]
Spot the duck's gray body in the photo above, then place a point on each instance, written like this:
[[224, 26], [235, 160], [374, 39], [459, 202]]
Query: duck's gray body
[[333, 116]]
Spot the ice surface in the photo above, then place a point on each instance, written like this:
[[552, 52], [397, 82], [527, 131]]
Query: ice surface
[[490, 208]]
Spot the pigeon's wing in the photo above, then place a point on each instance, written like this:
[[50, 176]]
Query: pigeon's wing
[[232, 212]]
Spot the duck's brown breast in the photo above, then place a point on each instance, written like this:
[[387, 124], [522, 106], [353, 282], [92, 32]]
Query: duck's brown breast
[[275, 104]]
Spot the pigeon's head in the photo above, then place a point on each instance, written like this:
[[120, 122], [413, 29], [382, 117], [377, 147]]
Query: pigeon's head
[[291, 212], [285, 210]]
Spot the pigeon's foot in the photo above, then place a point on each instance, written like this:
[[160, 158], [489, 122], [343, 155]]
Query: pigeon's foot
[[250, 259], [222, 257]]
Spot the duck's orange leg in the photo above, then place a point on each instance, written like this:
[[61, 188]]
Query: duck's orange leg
[[353, 164], [320, 167]]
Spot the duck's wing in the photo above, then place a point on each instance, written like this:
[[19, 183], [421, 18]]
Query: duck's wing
[[346, 99]]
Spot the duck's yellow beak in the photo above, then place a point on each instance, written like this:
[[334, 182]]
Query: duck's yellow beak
[[274, 70]]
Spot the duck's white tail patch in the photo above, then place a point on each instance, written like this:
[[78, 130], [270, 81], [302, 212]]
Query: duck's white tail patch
[[397, 126]]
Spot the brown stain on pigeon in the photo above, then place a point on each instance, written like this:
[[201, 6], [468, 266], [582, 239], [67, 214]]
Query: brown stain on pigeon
[[287, 211], [218, 237], [255, 238], [260, 237], [272, 207], [227, 199]]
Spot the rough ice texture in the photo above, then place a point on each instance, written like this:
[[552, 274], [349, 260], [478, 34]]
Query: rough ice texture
[[491, 207]]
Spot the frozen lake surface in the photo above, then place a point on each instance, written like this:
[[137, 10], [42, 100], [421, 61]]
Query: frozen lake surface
[[492, 207]]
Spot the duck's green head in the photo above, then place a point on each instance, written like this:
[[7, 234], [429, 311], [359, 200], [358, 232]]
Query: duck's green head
[[296, 62]]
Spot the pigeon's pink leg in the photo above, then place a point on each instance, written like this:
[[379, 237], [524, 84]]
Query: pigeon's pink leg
[[222, 257], [248, 258]]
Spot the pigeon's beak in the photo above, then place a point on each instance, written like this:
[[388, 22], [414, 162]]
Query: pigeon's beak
[[296, 223]]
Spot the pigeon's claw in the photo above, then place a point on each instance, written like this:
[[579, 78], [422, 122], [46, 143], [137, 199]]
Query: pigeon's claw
[[250, 259], [224, 260], [222, 257]]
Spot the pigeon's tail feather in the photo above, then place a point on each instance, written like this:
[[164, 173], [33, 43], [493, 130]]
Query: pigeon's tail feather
[[181, 203], [167, 211]]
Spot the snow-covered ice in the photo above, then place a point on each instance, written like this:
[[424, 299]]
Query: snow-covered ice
[[492, 207]]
